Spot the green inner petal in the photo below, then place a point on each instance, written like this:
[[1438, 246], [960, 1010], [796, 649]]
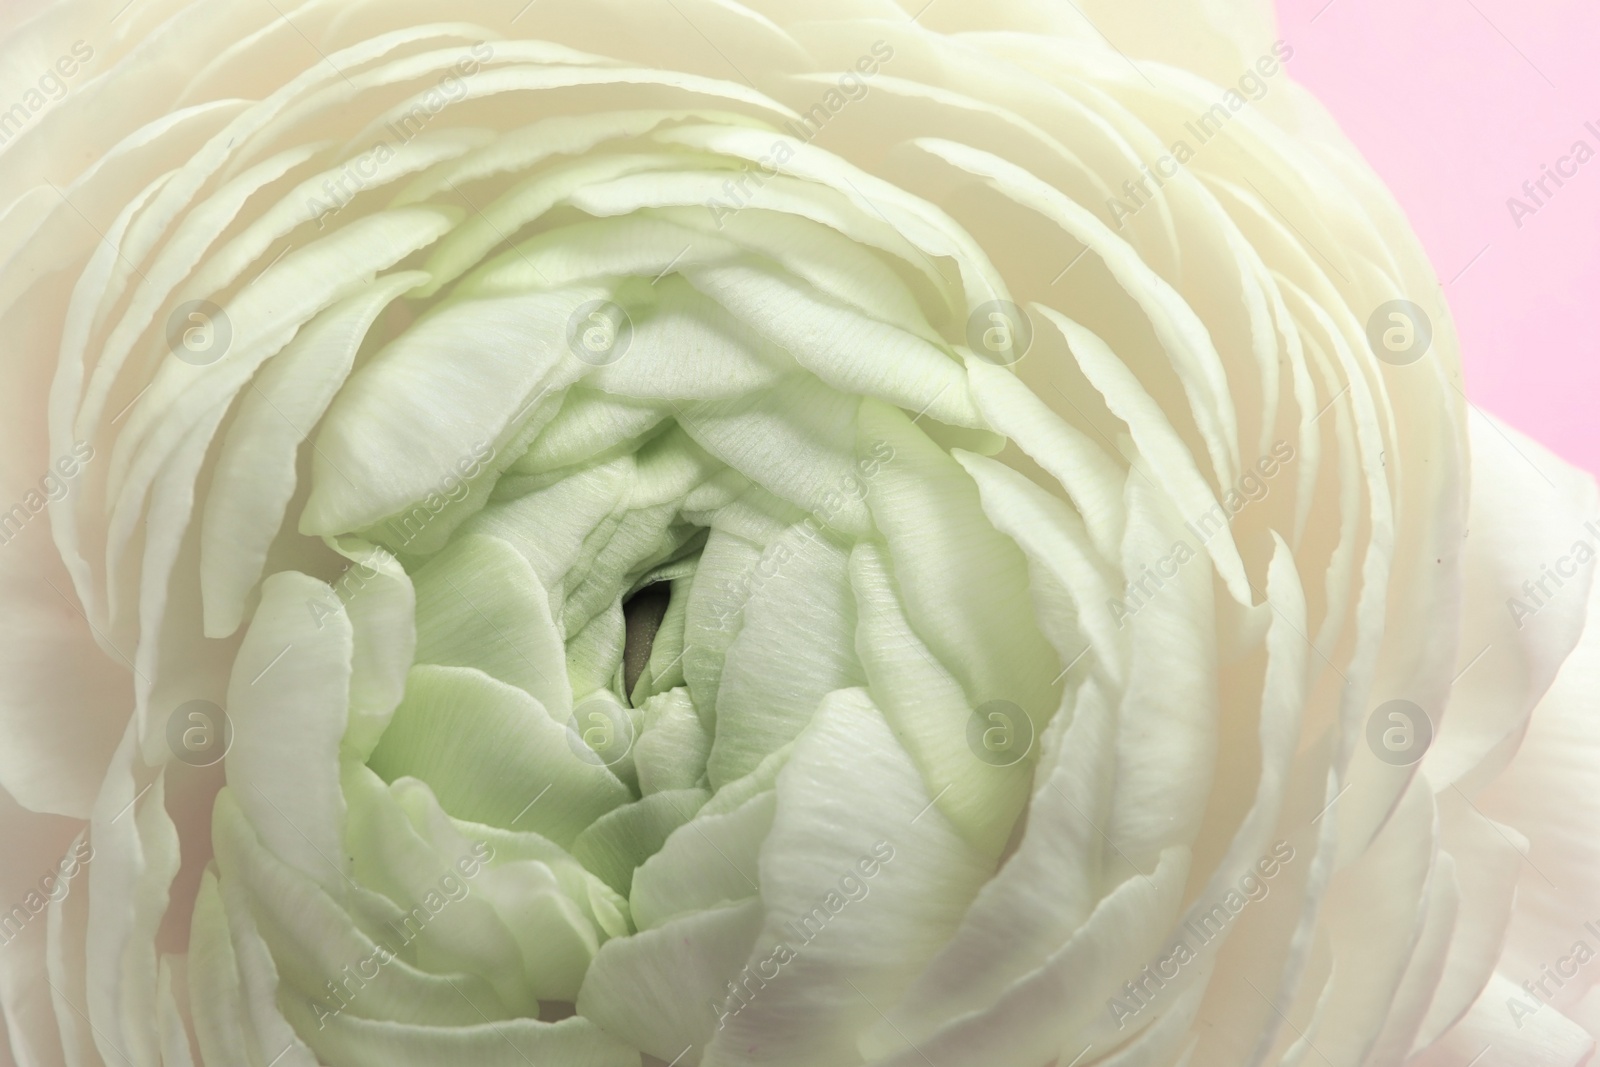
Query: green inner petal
[[668, 624], [489, 750]]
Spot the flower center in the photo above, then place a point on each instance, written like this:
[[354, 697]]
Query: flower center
[[643, 613]]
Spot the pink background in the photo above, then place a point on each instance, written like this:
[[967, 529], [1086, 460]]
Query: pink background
[[1456, 103]]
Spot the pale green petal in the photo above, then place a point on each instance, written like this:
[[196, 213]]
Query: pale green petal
[[263, 318], [551, 527], [673, 745], [598, 251], [594, 653], [220, 1016], [922, 223], [380, 603], [706, 193], [862, 883], [709, 861], [456, 929], [180, 254], [604, 907], [661, 990], [479, 604], [309, 201], [524, 203], [590, 427], [259, 967], [623, 838], [1071, 590], [288, 700], [852, 354], [964, 584], [255, 472], [362, 1042], [686, 347], [470, 359], [740, 791], [796, 645], [1284, 691], [134, 860], [796, 440], [1091, 479], [313, 939], [715, 614], [66, 962], [830, 262], [930, 714], [487, 749], [1180, 331], [1046, 890], [1043, 1013]]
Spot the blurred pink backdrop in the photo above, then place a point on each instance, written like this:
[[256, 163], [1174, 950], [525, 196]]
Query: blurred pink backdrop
[[1457, 103]]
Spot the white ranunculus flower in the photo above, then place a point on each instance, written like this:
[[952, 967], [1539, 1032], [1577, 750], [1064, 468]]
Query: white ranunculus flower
[[784, 532]]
